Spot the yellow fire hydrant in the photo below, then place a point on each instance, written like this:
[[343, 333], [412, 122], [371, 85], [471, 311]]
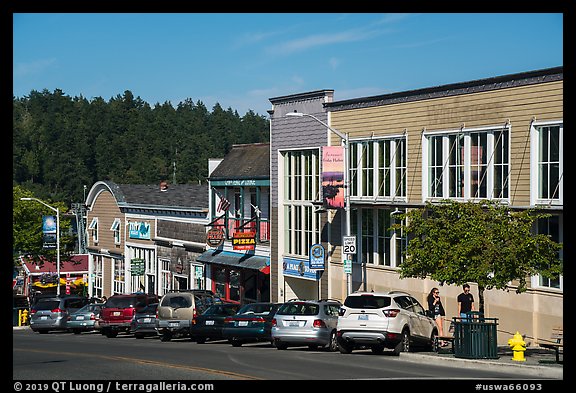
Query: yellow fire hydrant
[[23, 317], [518, 346]]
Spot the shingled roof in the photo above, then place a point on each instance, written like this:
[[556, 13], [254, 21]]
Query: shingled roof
[[249, 161], [179, 196]]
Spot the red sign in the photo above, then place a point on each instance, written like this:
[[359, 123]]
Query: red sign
[[244, 241], [215, 237]]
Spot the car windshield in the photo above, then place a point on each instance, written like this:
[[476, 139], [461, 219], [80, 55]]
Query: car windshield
[[298, 308], [86, 308], [176, 301], [218, 309], [367, 301], [120, 302], [150, 309], [257, 309], [47, 305]]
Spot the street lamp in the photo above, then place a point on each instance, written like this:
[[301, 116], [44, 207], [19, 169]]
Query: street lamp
[[344, 138], [57, 237]]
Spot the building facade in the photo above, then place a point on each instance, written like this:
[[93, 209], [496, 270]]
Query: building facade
[[145, 238], [498, 138]]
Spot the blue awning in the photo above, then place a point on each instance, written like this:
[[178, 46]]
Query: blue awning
[[247, 261]]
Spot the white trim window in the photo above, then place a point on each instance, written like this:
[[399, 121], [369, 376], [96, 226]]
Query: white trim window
[[98, 275], [551, 226], [547, 163], [467, 164], [119, 275], [93, 228], [378, 168], [301, 186], [378, 243], [116, 228]]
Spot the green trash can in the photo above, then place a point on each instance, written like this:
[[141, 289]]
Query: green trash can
[[475, 337]]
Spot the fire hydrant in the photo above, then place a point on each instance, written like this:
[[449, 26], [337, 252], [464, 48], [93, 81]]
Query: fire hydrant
[[518, 346], [23, 317]]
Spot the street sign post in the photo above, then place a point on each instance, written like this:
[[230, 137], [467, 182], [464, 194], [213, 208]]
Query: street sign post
[[349, 245]]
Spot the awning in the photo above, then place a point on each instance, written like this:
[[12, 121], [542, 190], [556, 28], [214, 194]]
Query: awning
[[246, 261]]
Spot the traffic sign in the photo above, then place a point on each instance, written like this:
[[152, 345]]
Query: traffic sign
[[349, 245], [347, 266]]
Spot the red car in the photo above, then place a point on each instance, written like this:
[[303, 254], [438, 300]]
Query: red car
[[118, 311]]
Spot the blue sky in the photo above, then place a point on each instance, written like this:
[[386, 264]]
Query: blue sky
[[242, 60]]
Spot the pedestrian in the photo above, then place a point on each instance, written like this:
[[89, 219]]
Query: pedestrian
[[437, 310], [104, 298], [465, 302]]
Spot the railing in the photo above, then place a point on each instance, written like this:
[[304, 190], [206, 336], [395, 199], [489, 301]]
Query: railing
[[261, 227]]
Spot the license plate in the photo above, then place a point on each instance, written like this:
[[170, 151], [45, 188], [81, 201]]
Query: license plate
[[116, 313], [242, 323], [363, 317], [147, 320], [44, 318], [174, 324], [80, 318], [209, 322], [293, 323]]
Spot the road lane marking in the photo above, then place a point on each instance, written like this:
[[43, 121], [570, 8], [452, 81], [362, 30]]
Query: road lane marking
[[148, 362]]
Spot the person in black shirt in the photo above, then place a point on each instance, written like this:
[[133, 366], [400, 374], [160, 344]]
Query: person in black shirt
[[437, 310], [465, 302]]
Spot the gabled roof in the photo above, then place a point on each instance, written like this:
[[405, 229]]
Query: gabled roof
[[191, 197], [78, 264], [250, 161]]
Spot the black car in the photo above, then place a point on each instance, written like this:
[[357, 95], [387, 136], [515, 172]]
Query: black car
[[144, 321], [253, 322], [208, 325]]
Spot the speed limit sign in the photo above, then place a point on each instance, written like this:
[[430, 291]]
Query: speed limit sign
[[349, 244]]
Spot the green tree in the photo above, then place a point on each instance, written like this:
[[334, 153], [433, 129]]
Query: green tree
[[486, 243], [27, 236]]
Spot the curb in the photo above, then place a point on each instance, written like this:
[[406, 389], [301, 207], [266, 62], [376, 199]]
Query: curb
[[555, 372]]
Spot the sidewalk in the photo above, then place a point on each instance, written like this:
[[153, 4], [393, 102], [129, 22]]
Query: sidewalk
[[540, 362]]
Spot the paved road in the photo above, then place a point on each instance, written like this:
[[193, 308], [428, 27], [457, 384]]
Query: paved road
[[65, 356]]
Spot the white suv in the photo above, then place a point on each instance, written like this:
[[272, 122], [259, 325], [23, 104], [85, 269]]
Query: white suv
[[393, 320]]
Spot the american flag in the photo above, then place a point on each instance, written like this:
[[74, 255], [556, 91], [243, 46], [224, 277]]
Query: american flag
[[224, 203]]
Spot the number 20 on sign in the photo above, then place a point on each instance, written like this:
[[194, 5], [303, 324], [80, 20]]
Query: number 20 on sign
[[349, 245]]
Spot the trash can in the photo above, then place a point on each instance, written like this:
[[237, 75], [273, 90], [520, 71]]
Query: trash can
[[475, 337]]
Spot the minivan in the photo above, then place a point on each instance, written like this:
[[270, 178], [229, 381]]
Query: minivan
[[51, 313]]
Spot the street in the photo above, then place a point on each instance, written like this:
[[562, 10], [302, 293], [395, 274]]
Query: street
[[91, 356]]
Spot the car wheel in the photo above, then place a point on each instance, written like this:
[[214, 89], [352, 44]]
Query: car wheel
[[280, 345], [333, 344], [200, 340], [42, 331], [111, 334], [166, 337], [76, 331], [139, 335], [404, 344], [377, 349], [433, 344], [235, 342], [344, 347]]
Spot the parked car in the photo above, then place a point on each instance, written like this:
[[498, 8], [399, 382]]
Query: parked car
[[178, 311], [393, 320], [144, 322], [85, 319], [306, 322], [51, 313], [209, 324], [253, 322], [118, 311]]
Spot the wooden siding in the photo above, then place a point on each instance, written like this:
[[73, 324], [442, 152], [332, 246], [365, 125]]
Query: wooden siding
[[519, 105], [106, 210]]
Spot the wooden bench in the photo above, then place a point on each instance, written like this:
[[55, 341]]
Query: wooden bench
[[449, 339], [557, 343]]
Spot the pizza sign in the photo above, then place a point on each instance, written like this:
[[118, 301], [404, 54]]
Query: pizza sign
[[244, 241], [215, 237]]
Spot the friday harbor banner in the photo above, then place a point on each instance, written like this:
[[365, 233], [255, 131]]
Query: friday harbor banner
[[333, 176]]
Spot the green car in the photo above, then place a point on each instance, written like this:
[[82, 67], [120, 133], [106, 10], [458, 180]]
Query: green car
[[85, 319], [209, 324], [252, 323]]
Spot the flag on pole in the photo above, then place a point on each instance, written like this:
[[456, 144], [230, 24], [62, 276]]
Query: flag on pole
[[224, 203]]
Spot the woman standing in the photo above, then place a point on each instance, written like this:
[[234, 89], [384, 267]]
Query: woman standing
[[437, 310]]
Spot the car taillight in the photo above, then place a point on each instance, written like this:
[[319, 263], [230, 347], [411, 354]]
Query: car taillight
[[32, 311], [57, 309], [227, 320], [274, 322], [259, 319], [391, 313], [92, 317], [194, 316], [318, 323]]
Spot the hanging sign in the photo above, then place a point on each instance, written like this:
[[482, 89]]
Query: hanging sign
[[215, 237], [317, 257], [244, 241]]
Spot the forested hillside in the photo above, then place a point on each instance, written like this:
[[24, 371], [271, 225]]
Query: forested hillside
[[61, 143]]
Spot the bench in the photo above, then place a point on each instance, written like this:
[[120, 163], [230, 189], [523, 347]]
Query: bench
[[449, 339], [557, 343]]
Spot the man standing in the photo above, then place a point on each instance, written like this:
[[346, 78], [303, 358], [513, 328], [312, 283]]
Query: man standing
[[465, 302]]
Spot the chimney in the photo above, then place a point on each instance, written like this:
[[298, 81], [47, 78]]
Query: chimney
[[163, 185]]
